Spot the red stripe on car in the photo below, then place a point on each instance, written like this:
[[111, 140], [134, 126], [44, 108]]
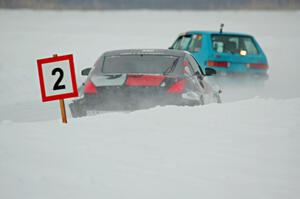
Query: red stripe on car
[[258, 66], [144, 80], [223, 64]]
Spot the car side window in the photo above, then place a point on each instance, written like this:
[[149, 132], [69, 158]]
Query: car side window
[[186, 63], [249, 44], [196, 43], [196, 70], [194, 64]]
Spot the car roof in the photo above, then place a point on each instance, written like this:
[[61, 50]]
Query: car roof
[[214, 32], [178, 53]]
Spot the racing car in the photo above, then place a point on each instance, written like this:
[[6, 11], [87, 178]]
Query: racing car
[[229, 54], [127, 80]]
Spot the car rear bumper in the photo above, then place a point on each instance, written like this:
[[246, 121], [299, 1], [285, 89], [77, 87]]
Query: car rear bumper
[[250, 74], [239, 68], [82, 106], [262, 75]]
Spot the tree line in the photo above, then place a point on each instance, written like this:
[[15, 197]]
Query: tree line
[[151, 4]]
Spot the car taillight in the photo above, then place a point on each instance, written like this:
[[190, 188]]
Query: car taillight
[[258, 66], [185, 63], [90, 88], [178, 87], [218, 63]]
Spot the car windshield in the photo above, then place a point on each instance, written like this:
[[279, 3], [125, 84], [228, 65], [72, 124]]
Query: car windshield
[[243, 45], [182, 42], [139, 64], [191, 43]]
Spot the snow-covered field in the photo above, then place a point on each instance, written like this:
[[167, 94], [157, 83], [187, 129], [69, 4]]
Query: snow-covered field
[[247, 147]]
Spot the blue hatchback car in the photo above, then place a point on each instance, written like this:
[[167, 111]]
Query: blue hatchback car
[[228, 54]]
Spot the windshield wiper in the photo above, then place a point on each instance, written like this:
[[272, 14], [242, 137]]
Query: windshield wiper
[[170, 68]]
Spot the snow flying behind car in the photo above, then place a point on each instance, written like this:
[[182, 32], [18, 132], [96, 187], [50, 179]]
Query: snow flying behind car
[[137, 79]]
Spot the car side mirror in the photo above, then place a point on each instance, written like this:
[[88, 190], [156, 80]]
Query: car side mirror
[[86, 71], [210, 71], [170, 47]]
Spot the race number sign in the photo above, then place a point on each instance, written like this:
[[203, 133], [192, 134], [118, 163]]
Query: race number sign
[[57, 77]]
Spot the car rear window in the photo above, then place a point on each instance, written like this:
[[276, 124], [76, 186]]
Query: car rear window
[[139, 64], [243, 45]]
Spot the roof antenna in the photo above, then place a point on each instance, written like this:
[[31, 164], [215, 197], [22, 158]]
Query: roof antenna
[[221, 28]]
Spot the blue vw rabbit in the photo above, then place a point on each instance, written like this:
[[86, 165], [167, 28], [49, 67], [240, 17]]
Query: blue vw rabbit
[[229, 54]]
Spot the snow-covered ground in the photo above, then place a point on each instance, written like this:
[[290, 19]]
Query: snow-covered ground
[[247, 147]]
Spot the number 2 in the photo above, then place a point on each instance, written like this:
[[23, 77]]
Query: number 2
[[57, 85]]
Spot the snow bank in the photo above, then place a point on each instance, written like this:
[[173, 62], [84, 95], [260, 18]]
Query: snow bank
[[248, 149]]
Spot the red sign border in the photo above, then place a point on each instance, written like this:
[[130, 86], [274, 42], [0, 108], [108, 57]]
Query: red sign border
[[40, 62]]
